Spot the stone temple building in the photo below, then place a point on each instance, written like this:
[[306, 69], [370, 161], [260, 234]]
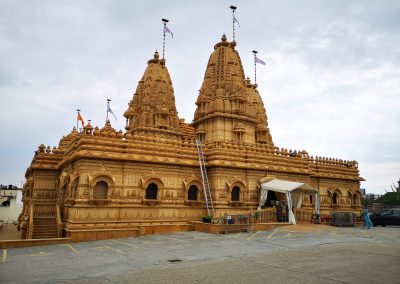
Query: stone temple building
[[101, 182]]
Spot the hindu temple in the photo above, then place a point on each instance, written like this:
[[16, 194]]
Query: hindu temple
[[102, 183]]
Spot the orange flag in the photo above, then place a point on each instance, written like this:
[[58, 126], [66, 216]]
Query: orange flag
[[81, 119]]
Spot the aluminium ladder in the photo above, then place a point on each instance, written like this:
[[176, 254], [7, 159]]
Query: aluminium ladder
[[206, 185]]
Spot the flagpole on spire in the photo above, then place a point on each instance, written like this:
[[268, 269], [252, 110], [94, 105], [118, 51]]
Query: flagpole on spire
[[233, 8], [255, 66], [108, 107], [165, 21], [77, 118]]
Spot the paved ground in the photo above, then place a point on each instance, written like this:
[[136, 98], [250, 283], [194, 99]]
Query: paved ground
[[317, 254]]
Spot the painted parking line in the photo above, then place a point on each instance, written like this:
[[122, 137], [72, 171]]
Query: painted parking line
[[116, 250], [273, 233], [125, 243], [201, 238], [41, 253], [253, 235], [4, 258], [151, 243], [72, 248], [175, 239]]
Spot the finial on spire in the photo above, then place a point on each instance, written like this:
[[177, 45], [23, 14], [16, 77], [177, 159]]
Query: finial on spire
[[156, 55], [234, 20], [223, 38]]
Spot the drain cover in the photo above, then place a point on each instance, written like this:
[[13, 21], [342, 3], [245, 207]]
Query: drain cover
[[174, 260]]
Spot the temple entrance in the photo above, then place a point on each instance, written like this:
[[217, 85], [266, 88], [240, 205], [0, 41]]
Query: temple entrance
[[271, 199]]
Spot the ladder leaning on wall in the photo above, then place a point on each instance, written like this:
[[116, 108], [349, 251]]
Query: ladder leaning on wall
[[206, 185]]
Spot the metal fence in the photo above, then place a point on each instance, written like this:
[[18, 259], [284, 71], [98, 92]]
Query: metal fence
[[343, 219], [236, 223]]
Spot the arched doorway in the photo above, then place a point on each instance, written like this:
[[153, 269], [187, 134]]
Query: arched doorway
[[235, 194], [151, 191], [100, 190], [192, 192]]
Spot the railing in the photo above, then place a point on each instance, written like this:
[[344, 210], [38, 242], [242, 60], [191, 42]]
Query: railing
[[267, 215], [303, 215]]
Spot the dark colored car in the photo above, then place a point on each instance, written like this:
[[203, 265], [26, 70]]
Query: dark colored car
[[386, 217]]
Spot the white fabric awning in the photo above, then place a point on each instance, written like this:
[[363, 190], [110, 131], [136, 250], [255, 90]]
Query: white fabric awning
[[285, 186]]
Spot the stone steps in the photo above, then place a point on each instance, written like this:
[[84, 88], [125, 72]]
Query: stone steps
[[45, 228]]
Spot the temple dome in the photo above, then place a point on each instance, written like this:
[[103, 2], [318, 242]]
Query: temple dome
[[226, 99], [152, 109], [223, 80]]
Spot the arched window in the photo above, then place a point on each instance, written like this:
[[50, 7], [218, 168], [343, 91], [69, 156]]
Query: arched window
[[334, 198], [100, 190], [151, 191], [192, 192], [235, 194]]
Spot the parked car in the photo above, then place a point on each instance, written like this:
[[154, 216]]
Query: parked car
[[386, 217]]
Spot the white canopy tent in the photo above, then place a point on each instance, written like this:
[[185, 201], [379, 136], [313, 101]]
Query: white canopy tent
[[294, 194]]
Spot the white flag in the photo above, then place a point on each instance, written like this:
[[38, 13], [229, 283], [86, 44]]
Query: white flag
[[258, 60], [235, 20], [110, 111], [167, 30]]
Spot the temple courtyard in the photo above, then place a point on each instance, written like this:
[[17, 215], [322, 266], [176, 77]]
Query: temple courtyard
[[290, 254]]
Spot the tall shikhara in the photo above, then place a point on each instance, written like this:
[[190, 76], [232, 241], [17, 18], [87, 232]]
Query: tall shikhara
[[229, 107], [152, 110]]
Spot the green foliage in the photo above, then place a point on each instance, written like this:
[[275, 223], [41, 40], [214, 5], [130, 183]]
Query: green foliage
[[365, 201], [390, 198], [206, 218], [257, 214]]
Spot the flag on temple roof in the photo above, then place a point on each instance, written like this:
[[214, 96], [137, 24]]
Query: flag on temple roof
[[236, 20], [110, 111], [258, 60], [80, 118], [167, 30]]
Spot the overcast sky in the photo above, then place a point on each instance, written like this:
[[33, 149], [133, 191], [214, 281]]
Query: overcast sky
[[331, 85]]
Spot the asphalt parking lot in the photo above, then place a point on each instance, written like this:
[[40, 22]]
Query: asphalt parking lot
[[284, 255]]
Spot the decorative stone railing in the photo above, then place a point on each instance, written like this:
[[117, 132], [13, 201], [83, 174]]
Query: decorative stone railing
[[267, 215], [303, 215]]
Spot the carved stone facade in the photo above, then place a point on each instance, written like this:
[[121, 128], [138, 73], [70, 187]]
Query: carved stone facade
[[101, 179]]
